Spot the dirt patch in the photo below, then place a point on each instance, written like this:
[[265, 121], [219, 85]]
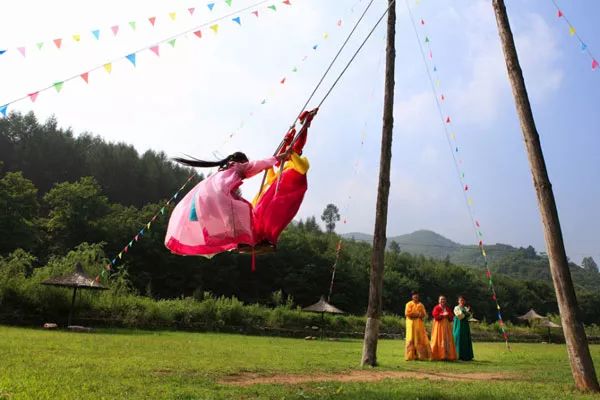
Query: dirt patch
[[249, 379]]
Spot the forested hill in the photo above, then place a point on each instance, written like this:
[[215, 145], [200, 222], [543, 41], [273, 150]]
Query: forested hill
[[47, 154], [516, 262]]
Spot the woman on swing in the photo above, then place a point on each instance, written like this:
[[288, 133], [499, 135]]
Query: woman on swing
[[213, 217]]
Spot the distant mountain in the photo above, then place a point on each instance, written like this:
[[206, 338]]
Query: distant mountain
[[517, 262]]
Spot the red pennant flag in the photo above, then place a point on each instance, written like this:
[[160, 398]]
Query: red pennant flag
[[84, 76], [282, 81], [287, 2], [115, 29], [422, 22], [443, 97], [33, 96], [466, 187], [494, 297], [489, 275], [595, 64], [477, 223], [152, 20], [255, 13], [191, 10], [447, 120], [57, 42], [155, 50], [198, 33], [560, 14], [125, 249]]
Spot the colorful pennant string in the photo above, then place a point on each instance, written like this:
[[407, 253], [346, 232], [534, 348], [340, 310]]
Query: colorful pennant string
[[432, 72], [115, 29], [573, 32], [132, 57], [140, 234]]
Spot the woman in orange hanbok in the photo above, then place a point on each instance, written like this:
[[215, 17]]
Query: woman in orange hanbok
[[417, 343], [442, 341]]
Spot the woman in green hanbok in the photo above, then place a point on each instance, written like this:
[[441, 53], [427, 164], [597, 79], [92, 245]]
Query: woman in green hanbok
[[462, 332]]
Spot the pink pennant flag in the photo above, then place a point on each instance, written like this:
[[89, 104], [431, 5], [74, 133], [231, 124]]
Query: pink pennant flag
[[84, 76], [447, 120], [33, 96], [22, 51], [430, 54], [255, 13], [282, 81], [560, 14], [191, 10], [466, 187], [339, 23], [443, 97], [152, 20], [115, 29], [198, 34], [57, 42], [287, 2], [595, 64], [422, 22], [155, 50], [477, 223]]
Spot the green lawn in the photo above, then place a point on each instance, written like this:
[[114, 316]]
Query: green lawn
[[175, 365]]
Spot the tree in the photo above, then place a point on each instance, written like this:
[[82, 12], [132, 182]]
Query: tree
[[589, 264], [395, 247], [330, 216], [19, 205]]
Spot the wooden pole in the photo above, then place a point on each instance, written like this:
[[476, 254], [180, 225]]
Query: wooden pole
[[369, 356], [72, 306], [582, 365]]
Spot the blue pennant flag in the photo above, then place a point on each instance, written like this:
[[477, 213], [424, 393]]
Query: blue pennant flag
[[237, 20], [114, 261], [131, 57], [583, 46], [2, 52], [3, 109], [142, 232], [211, 6], [96, 34], [315, 46], [176, 194]]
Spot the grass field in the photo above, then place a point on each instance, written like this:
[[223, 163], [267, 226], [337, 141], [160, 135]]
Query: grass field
[[123, 364]]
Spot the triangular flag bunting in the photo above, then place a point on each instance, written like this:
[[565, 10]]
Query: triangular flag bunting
[[58, 86], [33, 96], [434, 68], [237, 20], [84, 76], [3, 109], [131, 243], [115, 29], [215, 28], [210, 6], [282, 81], [22, 51], [131, 57], [447, 120], [198, 33], [155, 50], [466, 187], [96, 34], [287, 2], [152, 20], [191, 10], [172, 42], [422, 22], [77, 37], [443, 97], [228, 2], [326, 36], [39, 45], [108, 67], [315, 46], [2, 52], [583, 46], [263, 102], [58, 42], [132, 25], [120, 255], [595, 64], [560, 14], [272, 7], [173, 16], [571, 30], [426, 39], [295, 69], [339, 23], [255, 13]]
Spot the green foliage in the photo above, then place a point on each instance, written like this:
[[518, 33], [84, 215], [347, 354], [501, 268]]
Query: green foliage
[[330, 216], [19, 205]]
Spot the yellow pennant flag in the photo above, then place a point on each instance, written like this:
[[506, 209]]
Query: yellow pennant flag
[[173, 15], [108, 67], [215, 28], [453, 136], [148, 226], [120, 255], [325, 35], [571, 30], [470, 201], [77, 37]]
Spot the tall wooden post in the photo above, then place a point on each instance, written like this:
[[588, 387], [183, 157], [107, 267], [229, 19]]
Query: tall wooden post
[[582, 365], [369, 356]]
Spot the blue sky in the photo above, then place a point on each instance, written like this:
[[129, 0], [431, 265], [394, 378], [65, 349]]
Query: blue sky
[[192, 97]]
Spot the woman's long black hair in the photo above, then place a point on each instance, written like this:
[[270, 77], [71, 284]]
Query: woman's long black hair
[[237, 157]]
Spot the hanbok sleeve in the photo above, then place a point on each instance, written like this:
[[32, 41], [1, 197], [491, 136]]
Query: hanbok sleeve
[[253, 167], [437, 313], [408, 310], [458, 312]]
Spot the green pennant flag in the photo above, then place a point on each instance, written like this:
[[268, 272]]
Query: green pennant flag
[[58, 86], [162, 210], [272, 7], [295, 69], [40, 45], [228, 2], [132, 25], [426, 39], [172, 42]]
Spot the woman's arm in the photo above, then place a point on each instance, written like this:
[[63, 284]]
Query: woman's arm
[[458, 312], [437, 313], [253, 167]]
